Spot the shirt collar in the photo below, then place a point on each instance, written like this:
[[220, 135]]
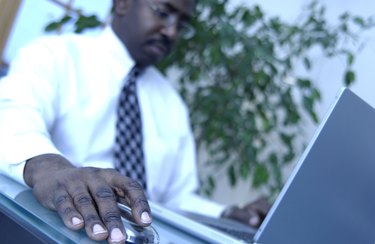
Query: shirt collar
[[117, 50]]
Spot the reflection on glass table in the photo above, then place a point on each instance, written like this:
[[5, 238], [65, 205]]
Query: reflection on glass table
[[26, 218]]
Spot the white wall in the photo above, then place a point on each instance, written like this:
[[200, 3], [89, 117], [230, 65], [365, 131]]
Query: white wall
[[34, 14], [327, 72]]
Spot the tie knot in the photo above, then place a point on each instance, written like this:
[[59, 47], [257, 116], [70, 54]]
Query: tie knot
[[135, 71], [132, 77]]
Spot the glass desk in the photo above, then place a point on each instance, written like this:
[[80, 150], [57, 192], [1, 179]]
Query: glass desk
[[23, 218]]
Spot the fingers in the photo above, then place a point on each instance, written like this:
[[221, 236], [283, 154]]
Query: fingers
[[87, 197], [65, 208], [134, 194], [260, 206], [105, 200], [253, 219], [247, 216], [84, 204], [90, 202], [257, 210]]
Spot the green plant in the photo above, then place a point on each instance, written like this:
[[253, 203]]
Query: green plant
[[73, 16], [238, 77], [234, 76]]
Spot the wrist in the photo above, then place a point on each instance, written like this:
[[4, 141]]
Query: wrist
[[42, 165]]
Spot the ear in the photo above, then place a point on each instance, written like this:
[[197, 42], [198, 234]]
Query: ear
[[120, 7]]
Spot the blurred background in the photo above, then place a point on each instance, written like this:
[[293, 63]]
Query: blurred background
[[26, 20]]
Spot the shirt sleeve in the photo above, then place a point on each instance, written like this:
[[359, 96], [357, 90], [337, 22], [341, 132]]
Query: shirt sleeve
[[26, 109]]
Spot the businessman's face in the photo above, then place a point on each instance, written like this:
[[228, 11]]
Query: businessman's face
[[150, 28]]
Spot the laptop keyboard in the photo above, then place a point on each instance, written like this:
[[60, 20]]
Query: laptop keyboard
[[242, 235], [227, 226]]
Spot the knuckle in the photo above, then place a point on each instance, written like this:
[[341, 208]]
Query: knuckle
[[83, 199], [90, 171], [105, 193], [91, 218], [133, 185], [61, 200], [111, 217], [111, 171], [66, 211]]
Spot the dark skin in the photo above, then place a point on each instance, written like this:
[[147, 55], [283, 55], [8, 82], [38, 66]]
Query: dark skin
[[87, 197], [250, 214], [150, 40]]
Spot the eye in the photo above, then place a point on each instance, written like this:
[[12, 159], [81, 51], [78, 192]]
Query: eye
[[161, 13]]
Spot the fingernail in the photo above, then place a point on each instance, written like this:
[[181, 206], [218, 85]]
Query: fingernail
[[254, 221], [116, 235], [145, 217], [98, 229], [76, 221]]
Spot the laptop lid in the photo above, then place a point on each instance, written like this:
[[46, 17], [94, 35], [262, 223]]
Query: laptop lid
[[330, 196]]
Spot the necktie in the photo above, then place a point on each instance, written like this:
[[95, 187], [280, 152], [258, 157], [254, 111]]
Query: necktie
[[129, 159]]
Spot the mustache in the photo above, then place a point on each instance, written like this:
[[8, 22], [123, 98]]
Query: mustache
[[162, 40]]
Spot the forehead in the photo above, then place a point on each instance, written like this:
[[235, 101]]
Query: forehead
[[184, 7]]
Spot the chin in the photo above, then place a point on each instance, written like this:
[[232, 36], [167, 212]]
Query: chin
[[149, 61]]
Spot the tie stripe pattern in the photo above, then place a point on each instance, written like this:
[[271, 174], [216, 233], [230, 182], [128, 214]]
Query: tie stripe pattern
[[129, 158]]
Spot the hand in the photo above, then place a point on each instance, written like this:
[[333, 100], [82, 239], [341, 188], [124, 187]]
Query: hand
[[251, 214], [86, 197]]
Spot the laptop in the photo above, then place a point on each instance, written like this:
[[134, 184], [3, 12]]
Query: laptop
[[330, 195]]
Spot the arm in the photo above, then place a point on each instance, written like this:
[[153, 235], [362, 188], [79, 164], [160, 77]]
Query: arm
[[83, 197], [86, 197]]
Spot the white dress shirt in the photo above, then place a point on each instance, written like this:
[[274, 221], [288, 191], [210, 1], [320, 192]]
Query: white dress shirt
[[60, 96]]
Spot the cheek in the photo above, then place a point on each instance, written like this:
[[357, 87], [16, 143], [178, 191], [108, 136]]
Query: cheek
[[147, 24], [150, 28]]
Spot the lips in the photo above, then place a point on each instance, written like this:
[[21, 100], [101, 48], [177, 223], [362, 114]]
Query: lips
[[159, 48]]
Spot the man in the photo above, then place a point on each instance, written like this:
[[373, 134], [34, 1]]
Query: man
[[58, 112]]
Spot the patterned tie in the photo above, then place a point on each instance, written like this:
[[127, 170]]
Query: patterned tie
[[129, 159]]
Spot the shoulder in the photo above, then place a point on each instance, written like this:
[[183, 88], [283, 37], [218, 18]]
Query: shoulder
[[47, 41], [58, 44]]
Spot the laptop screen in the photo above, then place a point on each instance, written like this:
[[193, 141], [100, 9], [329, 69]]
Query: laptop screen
[[330, 196]]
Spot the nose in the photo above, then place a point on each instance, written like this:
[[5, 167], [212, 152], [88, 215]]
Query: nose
[[171, 31]]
